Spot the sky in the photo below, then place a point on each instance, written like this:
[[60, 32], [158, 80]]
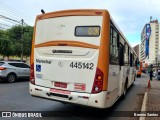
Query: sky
[[130, 15]]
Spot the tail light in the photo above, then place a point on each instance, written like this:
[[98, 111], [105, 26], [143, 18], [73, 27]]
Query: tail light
[[98, 81], [32, 79], [2, 68]]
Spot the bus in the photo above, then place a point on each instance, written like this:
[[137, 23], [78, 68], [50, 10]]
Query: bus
[[139, 69], [80, 57]]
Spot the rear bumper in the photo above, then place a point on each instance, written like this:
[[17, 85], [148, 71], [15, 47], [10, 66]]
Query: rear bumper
[[86, 99], [3, 78]]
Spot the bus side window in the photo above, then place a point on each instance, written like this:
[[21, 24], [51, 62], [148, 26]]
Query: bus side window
[[129, 56], [126, 54], [137, 63], [121, 54], [131, 59], [134, 59], [113, 47]]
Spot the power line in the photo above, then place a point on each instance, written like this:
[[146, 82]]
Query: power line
[[5, 26], [13, 13], [2, 28], [8, 22], [11, 20], [10, 13], [11, 8], [2, 16]]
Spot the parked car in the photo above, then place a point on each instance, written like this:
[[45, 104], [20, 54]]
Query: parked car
[[12, 70], [158, 75], [154, 73]]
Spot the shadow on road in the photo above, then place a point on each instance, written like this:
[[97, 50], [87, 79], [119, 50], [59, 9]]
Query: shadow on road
[[17, 81], [75, 111]]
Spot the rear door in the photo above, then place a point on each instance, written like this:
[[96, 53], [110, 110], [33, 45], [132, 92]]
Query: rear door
[[14, 67], [67, 52], [25, 69]]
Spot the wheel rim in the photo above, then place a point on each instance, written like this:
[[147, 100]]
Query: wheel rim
[[11, 78]]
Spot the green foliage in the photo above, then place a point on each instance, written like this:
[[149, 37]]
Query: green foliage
[[16, 41], [27, 40], [4, 43]]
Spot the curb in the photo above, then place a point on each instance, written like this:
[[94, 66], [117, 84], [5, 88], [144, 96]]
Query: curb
[[144, 105]]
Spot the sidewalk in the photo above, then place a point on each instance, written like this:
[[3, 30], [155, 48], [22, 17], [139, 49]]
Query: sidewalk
[[151, 101]]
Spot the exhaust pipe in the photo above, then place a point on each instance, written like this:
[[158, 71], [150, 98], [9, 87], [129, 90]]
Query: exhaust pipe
[[70, 98]]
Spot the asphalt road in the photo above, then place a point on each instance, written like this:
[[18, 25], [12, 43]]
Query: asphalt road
[[16, 97]]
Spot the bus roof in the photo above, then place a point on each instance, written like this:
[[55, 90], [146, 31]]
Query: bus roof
[[75, 12], [78, 12]]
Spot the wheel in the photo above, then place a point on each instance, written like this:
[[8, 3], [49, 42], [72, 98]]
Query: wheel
[[124, 92], [135, 78], [11, 78]]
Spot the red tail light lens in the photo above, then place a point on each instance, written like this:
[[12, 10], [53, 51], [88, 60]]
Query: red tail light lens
[[2, 68], [32, 79], [98, 81], [98, 13]]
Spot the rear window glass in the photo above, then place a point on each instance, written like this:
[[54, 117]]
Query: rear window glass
[[13, 64], [20, 65], [1, 63], [87, 31]]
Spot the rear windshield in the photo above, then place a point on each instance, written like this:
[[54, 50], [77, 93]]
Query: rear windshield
[[1, 63], [86, 29]]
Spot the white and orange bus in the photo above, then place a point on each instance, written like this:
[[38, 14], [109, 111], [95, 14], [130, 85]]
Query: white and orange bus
[[80, 57]]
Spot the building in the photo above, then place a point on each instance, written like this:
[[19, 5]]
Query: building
[[137, 50], [149, 47]]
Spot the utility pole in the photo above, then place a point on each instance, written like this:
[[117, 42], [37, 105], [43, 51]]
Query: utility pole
[[22, 41], [150, 18]]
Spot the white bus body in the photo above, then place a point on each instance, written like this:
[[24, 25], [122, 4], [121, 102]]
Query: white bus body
[[66, 62]]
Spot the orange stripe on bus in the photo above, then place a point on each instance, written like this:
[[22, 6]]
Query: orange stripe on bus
[[33, 41], [84, 12], [103, 59], [66, 43]]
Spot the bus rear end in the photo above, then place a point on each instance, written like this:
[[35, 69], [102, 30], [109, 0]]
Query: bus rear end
[[65, 56]]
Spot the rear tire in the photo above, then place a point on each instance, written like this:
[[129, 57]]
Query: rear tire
[[11, 78], [125, 91], [138, 75], [135, 78]]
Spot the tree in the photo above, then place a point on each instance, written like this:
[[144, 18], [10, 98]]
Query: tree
[[22, 41], [15, 35], [6, 47], [27, 40], [13, 40]]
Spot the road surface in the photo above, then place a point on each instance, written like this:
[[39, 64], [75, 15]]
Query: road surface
[[16, 97]]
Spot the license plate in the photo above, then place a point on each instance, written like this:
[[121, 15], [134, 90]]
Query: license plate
[[60, 91], [60, 84], [81, 87]]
